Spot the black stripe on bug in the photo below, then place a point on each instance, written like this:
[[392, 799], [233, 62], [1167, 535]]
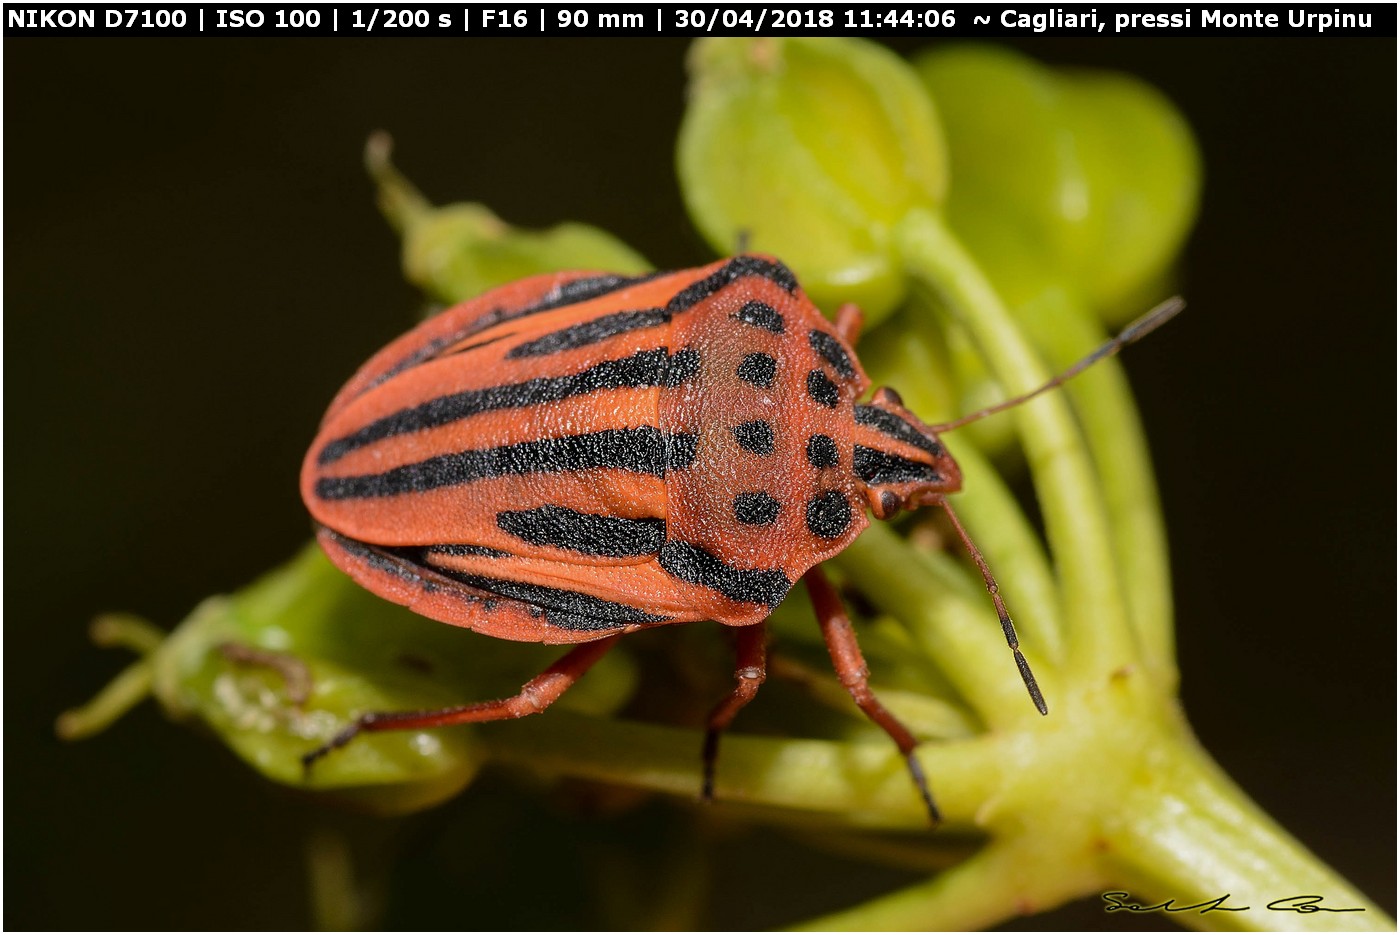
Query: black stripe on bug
[[643, 369], [693, 564], [642, 450], [585, 533], [590, 332]]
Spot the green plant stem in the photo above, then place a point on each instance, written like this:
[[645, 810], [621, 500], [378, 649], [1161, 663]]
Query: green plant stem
[[1113, 429], [126, 631], [1015, 553], [949, 616], [1192, 835], [1065, 481], [400, 201], [120, 695], [859, 784], [976, 894]]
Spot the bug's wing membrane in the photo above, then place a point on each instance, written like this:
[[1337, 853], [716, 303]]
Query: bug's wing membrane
[[437, 594]]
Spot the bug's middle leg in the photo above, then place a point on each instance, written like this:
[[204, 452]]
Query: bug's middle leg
[[750, 669], [536, 695], [854, 674]]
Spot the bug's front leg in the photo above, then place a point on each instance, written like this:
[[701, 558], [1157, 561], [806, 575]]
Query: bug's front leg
[[536, 695], [750, 670], [854, 674], [849, 321]]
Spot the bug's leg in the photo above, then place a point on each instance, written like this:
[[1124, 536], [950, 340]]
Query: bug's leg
[[750, 669], [536, 695], [849, 320], [851, 669]]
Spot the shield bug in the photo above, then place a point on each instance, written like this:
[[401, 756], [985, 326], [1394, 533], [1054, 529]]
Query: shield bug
[[577, 456]]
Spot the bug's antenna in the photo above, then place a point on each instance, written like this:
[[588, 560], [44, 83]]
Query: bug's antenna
[[1138, 329], [1007, 626]]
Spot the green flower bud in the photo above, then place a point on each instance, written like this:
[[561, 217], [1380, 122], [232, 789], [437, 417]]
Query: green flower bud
[[282, 666], [1085, 178], [812, 149], [458, 251]]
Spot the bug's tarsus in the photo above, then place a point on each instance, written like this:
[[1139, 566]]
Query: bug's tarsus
[[854, 675], [750, 671], [308, 760], [1007, 627], [536, 695], [1139, 329]]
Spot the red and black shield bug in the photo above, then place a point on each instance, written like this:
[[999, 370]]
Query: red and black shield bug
[[576, 456]]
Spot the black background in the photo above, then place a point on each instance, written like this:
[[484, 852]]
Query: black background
[[193, 263]]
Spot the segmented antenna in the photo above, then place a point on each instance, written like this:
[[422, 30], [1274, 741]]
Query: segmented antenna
[[1138, 329], [1003, 615]]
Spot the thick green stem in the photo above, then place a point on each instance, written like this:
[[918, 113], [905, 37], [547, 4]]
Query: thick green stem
[[1191, 835]]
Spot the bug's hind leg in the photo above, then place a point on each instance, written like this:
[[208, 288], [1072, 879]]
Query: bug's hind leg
[[851, 669], [750, 669], [536, 695]]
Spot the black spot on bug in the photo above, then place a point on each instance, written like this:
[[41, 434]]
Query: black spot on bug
[[585, 533], [831, 351], [828, 514], [761, 315], [756, 509], [691, 563], [889, 502], [822, 452], [682, 365], [822, 390], [755, 436], [758, 369]]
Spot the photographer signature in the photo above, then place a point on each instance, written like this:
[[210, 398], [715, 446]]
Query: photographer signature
[[1302, 904]]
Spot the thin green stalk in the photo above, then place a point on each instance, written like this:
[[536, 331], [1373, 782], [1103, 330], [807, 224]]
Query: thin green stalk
[[1065, 482], [122, 694], [860, 784], [1114, 431], [1016, 555], [976, 894], [951, 618]]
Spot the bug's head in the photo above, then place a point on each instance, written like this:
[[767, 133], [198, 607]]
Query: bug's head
[[898, 460]]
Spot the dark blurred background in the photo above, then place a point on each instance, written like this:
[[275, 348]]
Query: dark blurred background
[[193, 263]]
